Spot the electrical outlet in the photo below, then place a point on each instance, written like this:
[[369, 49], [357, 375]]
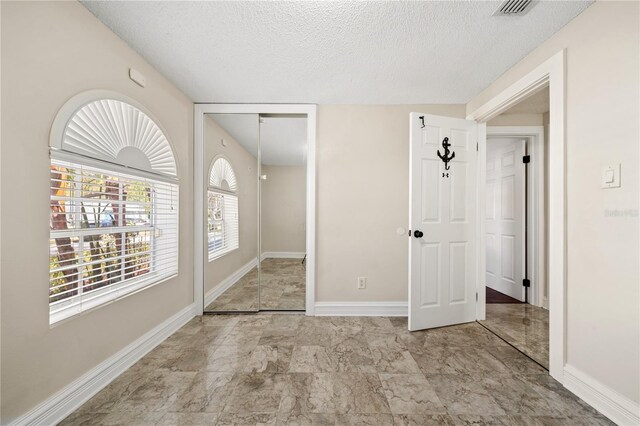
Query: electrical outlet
[[362, 282]]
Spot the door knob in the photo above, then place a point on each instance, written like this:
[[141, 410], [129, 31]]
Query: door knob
[[417, 234]]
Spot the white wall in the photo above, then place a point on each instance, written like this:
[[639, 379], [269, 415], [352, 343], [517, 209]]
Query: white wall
[[362, 198], [602, 127], [50, 52], [283, 209], [245, 167]]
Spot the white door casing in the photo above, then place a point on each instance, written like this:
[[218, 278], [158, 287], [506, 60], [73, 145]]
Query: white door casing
[[505, 216], [442, 263], [552, 73]]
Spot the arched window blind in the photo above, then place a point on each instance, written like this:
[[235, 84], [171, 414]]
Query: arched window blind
[[222, 213], [113, 207]]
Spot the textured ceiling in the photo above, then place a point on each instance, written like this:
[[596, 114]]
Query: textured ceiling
[[332, 52], [283, 139]]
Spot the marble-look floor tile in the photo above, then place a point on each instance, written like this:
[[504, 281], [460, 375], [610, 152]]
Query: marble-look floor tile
[[391, 360], [515, 396], [247, 419], [515, 361], [307, 419], [462, 394], [359, 393], [353, 358], [339, 393], [123, 386], [557, 396], [522, 325], [410, 394], [282, 286], [293, 369], [83, 418], [310, 359], [459, 360], [157, 393], [422, 420], [270, 359], [364, 419], [228, 358], [188, 419], [308, 393], [257, 393], [138, 418], [207, 392]]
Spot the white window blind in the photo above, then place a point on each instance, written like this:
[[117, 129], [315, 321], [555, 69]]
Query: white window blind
[[223, 226], [111, 233]]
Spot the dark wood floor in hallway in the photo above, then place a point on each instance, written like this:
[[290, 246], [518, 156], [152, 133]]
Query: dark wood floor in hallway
[[494, 296]]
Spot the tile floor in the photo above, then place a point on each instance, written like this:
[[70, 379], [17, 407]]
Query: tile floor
[[282, 287], [290, 369], [522, 325]]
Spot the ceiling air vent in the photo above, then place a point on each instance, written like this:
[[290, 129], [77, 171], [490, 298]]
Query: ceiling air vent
[[514, 7]]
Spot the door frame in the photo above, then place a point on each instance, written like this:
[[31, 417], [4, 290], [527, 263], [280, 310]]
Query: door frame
[[534, 135], [200, 109], [549, 73]]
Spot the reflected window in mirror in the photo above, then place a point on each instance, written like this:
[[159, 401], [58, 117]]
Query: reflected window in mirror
[[222, 209]]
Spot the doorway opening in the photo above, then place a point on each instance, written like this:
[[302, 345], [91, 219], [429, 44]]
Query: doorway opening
[[517, 308]]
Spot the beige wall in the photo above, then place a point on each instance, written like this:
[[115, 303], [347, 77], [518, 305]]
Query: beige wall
[[283, 209], [602, 127], [516, 120], [50, 52], [362, 198], [245, 167]]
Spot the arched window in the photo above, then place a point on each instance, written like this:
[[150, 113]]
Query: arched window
[[113, 204], [222, 201]]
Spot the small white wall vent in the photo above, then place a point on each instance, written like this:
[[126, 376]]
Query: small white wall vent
[[514, 7]]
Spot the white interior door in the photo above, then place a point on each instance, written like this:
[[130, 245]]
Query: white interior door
[[505, 221], [442, 251]]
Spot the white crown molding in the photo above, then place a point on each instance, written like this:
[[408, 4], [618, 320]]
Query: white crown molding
[[374, 309], [55, 408], [618, 408]]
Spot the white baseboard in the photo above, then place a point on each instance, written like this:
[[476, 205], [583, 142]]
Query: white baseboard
[[373, 309], [607, 401], [67, 400], [228, 282], [282, 255]]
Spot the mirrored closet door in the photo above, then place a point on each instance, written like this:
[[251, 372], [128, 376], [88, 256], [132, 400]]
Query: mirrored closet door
[[255, 212]]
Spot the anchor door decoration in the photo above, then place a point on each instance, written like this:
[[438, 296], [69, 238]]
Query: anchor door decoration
[[448, 155]]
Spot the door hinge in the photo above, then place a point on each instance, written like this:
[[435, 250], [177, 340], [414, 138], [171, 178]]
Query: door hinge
[[477, 146], [526, 283], [476, 296], [526, 159]]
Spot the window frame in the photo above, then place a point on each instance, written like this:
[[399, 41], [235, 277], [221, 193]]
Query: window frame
[[86, 300], [230, 243], [159, 175]]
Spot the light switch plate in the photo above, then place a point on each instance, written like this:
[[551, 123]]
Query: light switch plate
[[611, 176]]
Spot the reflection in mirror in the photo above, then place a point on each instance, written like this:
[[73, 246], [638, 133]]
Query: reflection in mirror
[[283, 150], [231, 203]]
